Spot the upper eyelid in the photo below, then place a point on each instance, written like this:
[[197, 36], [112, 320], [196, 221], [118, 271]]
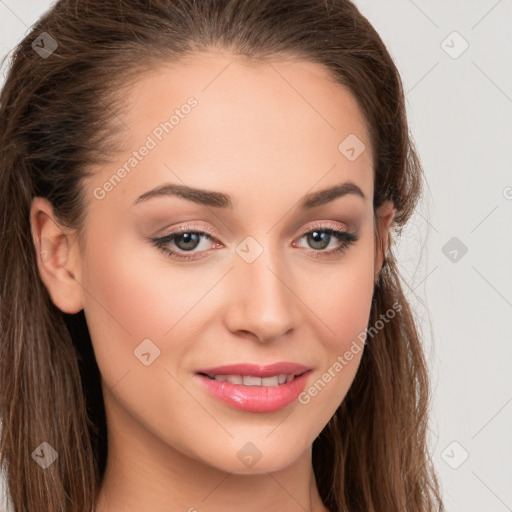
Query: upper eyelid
[[191, 228], [324, 225]]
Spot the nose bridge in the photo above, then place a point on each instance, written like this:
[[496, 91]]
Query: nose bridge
[[262, 302]]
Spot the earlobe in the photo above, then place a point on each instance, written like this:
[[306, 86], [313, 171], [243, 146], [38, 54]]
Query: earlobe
[[57, 257]]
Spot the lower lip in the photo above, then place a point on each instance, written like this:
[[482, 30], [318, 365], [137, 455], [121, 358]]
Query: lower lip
[[256, 398]]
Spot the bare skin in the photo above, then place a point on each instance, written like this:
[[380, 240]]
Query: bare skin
[[267, 134]]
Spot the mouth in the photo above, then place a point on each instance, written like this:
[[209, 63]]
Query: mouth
[[249, 374], [255, 388]]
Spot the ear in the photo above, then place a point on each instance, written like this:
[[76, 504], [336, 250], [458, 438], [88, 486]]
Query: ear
[[57, 257], [385, 215]]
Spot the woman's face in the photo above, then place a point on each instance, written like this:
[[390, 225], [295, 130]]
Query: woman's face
[[247, 148]]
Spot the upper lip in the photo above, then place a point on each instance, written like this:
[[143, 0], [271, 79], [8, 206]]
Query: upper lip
[[256, 370]]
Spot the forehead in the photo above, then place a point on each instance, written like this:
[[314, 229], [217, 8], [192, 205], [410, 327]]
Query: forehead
[[216, 120]]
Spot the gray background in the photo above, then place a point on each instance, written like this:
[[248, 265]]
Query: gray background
[[459, 104]]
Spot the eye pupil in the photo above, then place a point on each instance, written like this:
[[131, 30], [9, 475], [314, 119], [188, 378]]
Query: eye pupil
[[319, 237], [190, 238]]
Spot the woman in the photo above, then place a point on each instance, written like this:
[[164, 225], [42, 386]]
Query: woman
[[200, 307]]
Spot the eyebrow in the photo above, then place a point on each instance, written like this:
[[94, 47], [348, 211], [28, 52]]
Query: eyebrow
[[221, 200]]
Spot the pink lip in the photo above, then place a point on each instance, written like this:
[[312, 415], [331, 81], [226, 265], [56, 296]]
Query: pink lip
[[256, 370], [256, 398]]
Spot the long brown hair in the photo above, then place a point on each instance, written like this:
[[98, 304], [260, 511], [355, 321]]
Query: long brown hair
[[58, 116]]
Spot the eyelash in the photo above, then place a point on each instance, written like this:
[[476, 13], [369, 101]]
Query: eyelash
[[345, 237]]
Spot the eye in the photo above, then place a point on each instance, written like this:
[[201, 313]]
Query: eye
[[186, 239], [320, 237]]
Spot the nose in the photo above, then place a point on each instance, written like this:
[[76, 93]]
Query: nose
[[262, 303]]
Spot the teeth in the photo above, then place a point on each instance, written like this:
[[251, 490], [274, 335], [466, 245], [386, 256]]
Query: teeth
[[270, 381], [249, 380]]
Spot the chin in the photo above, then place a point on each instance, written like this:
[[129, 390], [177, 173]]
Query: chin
[[252, 458]]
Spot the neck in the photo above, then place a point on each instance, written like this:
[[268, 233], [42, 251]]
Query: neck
[[144, 473]]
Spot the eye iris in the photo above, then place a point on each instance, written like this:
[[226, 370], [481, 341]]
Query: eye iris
[[189, 238], [319, 237]]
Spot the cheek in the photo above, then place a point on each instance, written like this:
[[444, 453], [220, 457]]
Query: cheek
[[343, 300], [133, 296], [344, 307], [134, 290]]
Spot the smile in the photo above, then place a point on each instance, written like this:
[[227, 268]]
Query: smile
[[250, 380]]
